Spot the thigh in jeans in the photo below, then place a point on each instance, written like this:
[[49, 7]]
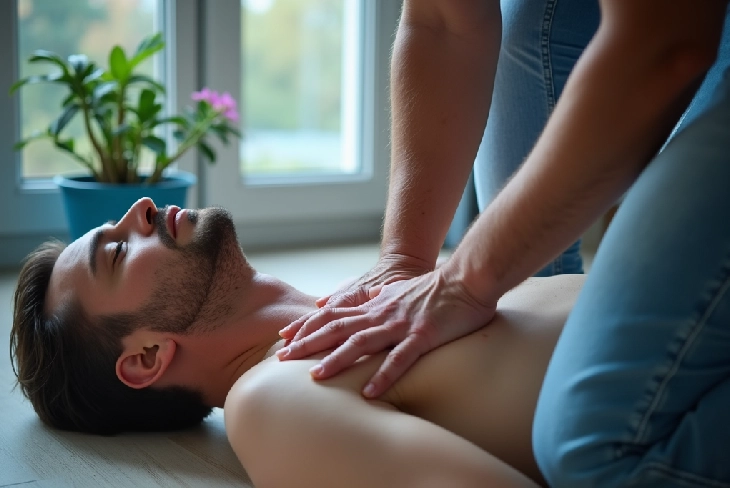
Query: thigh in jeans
[[541, 41], [638, 389]]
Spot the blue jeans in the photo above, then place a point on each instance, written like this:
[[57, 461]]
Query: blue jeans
[[638, 390], [541, 42]]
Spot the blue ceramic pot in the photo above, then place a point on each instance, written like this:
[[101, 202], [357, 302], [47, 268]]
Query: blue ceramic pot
[[89, 204]]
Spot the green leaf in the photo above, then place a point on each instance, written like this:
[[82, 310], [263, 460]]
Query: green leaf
[[146, 104], [207, 151], [66, 145], [103, 89], [203, 110], [234, 131], [149, 46], [118, 64], [70, 98], [79, 62], [156, 144], [62, 121], [221, 131], [43, 56], [176, 119], [94, 74], [146, 79], [33, 137], [179, 135], [55, 77]]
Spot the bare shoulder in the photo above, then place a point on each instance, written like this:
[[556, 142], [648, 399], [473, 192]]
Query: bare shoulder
[[289, 431], [544, 294], [267, 406]]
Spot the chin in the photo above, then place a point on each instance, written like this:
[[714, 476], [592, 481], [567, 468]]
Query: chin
[[215, 236]]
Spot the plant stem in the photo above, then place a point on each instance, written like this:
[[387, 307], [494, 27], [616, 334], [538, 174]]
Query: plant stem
[[117, 151], [196, 133], [94, 141]]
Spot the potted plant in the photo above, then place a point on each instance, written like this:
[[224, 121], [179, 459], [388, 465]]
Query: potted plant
[[123, 124]]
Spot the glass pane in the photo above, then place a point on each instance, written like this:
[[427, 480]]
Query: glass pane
[[90, 27], [299, 102]]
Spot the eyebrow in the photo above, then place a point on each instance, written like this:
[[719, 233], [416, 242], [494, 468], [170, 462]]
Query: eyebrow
[[94, 246], [93, 249]]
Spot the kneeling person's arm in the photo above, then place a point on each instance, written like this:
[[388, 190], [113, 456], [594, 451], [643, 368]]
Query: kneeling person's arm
[[288, 431]]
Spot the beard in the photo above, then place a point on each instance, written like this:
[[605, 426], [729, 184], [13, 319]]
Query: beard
[[195, 289]]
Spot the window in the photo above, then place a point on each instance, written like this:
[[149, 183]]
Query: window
[[300, 90], [312, 79], [68, 27]]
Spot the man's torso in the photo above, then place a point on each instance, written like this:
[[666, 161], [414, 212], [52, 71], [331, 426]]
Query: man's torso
[[484, 386]]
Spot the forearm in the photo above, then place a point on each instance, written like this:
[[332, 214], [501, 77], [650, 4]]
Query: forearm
[[623, 98], [441, 82]]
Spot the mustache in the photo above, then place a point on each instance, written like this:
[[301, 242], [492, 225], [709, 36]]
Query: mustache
[[160, 221]]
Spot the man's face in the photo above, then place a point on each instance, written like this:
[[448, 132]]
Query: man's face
[[160, 265]]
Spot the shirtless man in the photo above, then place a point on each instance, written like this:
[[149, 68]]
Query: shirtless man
[[147, 323]]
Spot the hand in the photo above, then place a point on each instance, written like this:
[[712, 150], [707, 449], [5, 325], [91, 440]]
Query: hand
[[415, 316], [389, 268]]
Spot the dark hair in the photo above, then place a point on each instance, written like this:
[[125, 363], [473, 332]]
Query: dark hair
[[65, 364]]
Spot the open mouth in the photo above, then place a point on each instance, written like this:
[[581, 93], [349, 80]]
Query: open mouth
[[172, 221]]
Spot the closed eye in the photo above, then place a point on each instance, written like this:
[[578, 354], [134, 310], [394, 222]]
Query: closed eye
[[117, 251]]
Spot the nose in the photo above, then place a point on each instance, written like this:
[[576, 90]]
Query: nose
[[140, 216]]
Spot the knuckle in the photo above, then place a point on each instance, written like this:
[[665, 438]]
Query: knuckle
[[359, 340], [399, 359], [392, 307], [337, 327]]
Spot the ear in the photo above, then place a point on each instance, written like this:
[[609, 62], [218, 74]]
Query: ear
[[142, 365]]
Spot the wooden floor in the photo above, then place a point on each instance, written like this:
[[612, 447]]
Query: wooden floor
[[33, 455]]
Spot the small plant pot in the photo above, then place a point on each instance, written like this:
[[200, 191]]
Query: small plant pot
[[89, 204]]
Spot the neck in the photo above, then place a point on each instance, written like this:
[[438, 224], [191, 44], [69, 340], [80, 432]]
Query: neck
[[216, 360]]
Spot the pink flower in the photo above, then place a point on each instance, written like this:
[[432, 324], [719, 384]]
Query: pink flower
[[231, 114], [206, 94], [224, 103]]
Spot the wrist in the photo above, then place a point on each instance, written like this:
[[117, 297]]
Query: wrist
[[473, 276], [400, 260]]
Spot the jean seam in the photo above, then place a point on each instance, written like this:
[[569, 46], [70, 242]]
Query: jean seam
[[547, 68], [681, 354], [690, 480]]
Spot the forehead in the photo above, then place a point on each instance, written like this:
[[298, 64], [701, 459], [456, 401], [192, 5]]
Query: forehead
[[71, 274]]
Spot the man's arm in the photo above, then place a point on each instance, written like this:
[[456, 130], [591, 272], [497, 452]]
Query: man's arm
[[289, 431], [442, 72], [620, 103]]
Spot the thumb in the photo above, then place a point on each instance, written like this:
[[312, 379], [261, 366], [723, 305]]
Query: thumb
[[374, 291], [321, 302]]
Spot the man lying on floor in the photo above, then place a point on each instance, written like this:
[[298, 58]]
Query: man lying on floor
[[147, 323]]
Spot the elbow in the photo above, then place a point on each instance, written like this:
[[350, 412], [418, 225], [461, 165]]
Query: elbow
[[684, 62], [460, 18], [678, 41]]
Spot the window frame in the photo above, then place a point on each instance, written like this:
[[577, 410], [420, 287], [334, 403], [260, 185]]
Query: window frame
[[266, 215], [331, 208]]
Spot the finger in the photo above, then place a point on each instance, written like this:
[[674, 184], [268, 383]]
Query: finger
[[367, 341], [319, 318], [291, 330], [321, 302], [398, 361], [326, 337], [374, 291], [350, 298]]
